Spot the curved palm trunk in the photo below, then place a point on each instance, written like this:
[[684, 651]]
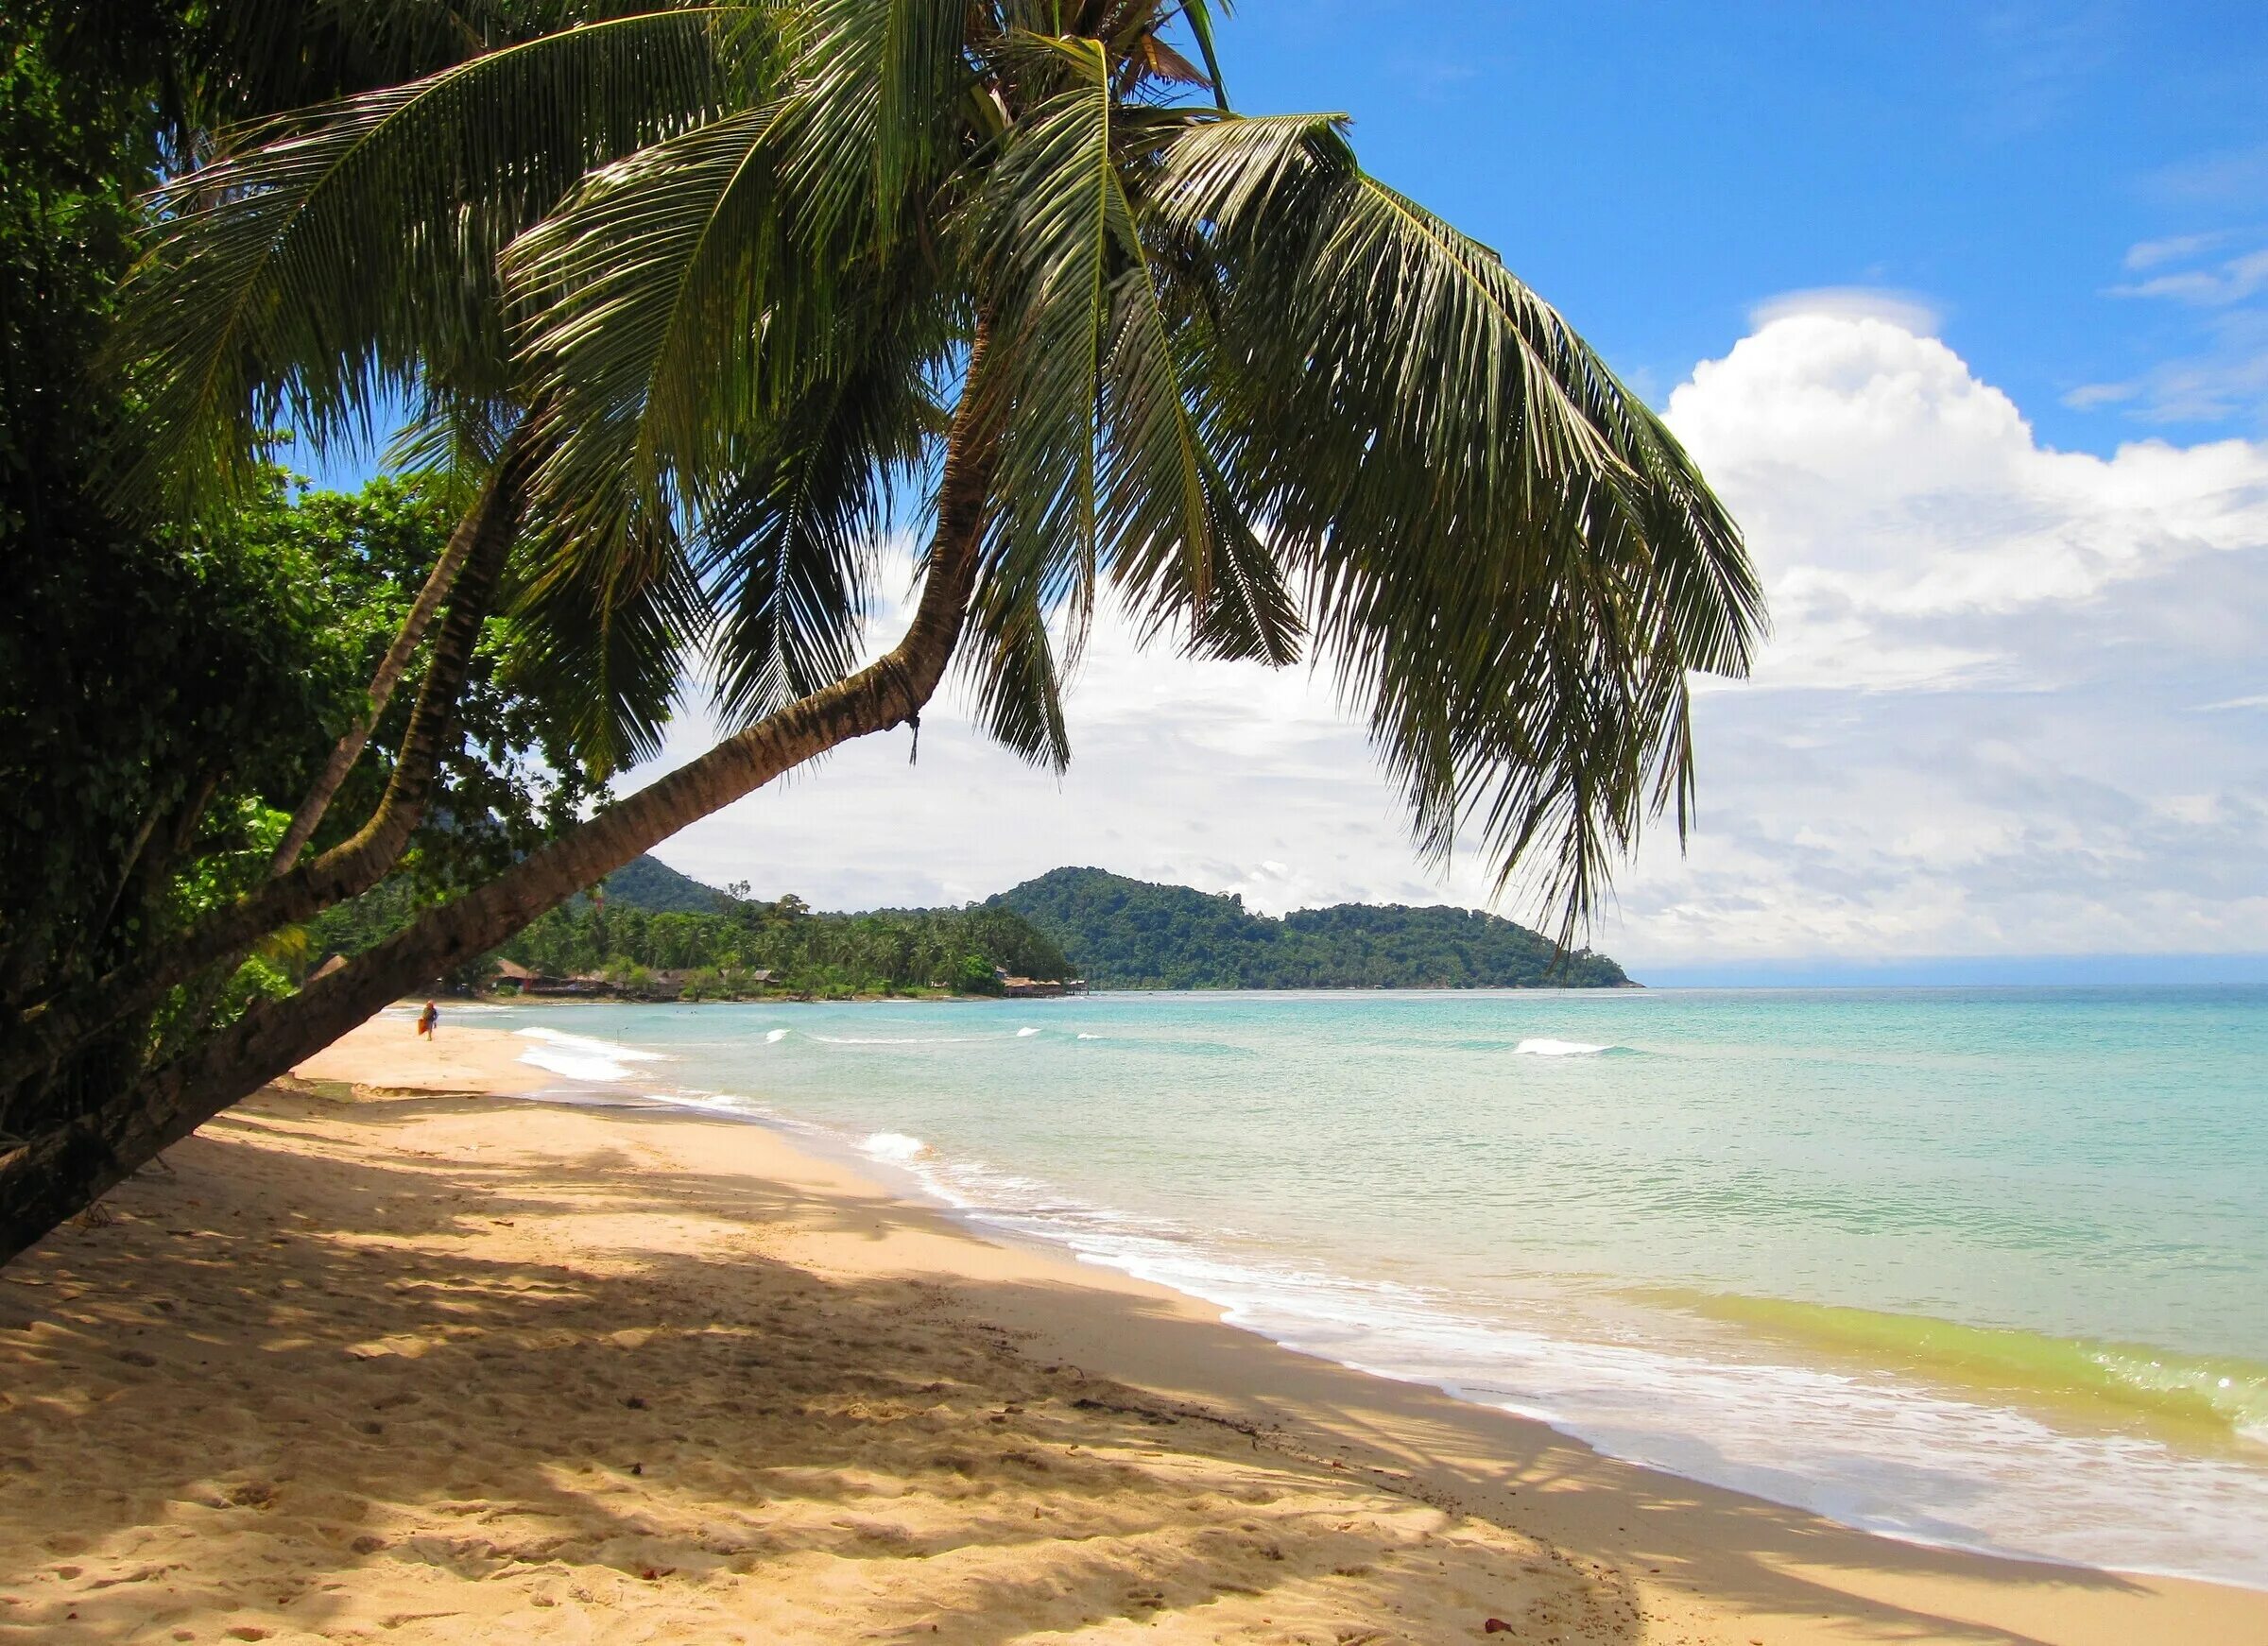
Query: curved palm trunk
[[49, 1178], [438, 583]]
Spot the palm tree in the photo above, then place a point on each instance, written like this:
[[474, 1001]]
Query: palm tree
[[770, 266]]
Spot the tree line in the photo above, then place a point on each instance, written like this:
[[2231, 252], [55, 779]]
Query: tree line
[[649, 919], [1131, 934], [825, 955]]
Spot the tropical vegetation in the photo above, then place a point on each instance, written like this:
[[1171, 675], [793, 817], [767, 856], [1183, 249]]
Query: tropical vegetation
[[1131, 934], [647, 919], [830, 956], [682, 306]]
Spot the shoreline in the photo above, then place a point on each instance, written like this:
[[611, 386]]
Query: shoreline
[[902, 1181], [1456, 1512], [1932, 1391]]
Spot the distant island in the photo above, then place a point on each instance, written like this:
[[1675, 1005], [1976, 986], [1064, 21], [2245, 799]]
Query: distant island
[[1131, 933], [649, 932]]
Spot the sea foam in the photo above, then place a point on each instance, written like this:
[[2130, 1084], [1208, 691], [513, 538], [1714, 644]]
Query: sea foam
[[582, 1058], [896, 1147], [1540, 1047]]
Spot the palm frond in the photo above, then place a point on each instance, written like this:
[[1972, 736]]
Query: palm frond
[[1180, 543], [1198, 14], [256, 57], [787, 553], [1508, 561], [326, 269], [603, 645], [1008, 658], [873, 116], [701, 372], [664, 300], [449, 443], [1054, 232]]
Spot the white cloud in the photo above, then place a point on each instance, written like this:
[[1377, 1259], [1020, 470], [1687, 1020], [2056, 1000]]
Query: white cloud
[[2088, 396], [2172, 248], [2229, 282], [2233, 177], [1897, 504], [1897, 307], [1975, 731], [1970, 733]]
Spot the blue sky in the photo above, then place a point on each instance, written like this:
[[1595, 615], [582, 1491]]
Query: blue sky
[[1659, 169], [1964, 309]]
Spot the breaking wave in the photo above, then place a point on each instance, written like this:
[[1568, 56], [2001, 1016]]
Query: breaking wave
[[582, 1058], [1542, 1047]]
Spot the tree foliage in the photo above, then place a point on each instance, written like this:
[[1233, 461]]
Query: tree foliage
[[647, 917], [1131, 934], [886, 951]]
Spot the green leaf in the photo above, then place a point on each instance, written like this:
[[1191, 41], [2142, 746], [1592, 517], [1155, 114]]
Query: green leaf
[[349, 256]]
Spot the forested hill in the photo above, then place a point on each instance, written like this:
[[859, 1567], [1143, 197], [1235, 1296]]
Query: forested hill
[[1131, 934], [1116, 933], [648, 882]]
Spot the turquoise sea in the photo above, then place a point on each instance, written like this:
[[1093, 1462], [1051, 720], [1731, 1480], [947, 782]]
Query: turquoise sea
[[1987, 1267]]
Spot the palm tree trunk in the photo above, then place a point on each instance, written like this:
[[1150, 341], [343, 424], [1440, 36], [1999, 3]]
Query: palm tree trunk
[[391, 669], [49, 1178]]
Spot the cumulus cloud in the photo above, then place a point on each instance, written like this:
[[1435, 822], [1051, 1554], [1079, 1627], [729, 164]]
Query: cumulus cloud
[[1893, 305], [1969, 736], [1977, 730], [1901, 509]]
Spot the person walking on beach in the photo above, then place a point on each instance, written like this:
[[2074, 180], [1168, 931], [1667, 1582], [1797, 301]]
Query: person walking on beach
[[426, 1018]]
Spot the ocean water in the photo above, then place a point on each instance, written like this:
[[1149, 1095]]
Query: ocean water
[[1983, 1268]]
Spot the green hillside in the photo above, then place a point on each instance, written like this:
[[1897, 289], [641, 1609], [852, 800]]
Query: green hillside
[[1131, 934], [648, 883], [1116, 933]]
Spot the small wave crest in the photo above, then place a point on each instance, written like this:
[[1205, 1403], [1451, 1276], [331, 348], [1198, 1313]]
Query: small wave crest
[[1543, 1047], [773, 1036], [897, 1147], [1021, 1034], [1086, 1037], [582, 1058]]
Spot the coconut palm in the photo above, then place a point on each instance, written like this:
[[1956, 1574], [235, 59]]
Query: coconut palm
[[773, 268]]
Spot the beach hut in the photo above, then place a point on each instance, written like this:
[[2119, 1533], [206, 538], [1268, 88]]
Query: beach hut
[[512, 975]]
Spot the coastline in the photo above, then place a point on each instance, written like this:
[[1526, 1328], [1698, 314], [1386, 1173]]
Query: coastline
[[568, 1291]]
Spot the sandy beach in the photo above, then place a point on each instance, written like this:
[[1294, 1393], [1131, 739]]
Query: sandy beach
[[389, 1354]]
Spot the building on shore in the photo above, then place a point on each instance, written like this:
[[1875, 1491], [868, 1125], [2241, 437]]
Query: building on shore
[[1037, 988]]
